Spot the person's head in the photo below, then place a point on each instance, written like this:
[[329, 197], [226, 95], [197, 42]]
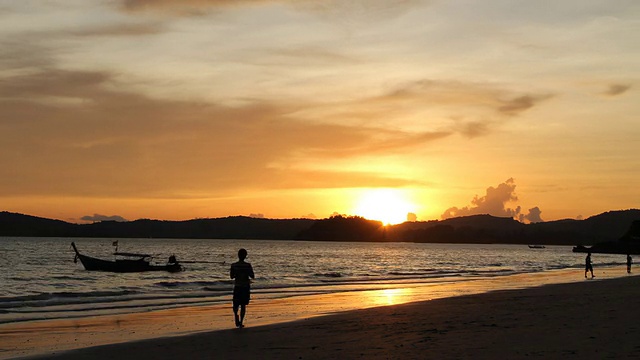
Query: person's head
[[242, 254]]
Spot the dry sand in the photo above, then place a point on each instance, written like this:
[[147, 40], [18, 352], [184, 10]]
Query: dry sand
[[591, 319]]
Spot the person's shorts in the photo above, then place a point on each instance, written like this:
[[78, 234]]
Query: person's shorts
[[241, 295]]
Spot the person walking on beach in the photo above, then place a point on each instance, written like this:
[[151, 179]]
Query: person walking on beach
[[241, 272], [588, 267], [628, 263]]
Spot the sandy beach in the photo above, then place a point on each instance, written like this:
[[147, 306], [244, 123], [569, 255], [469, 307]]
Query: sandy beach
[[591, 319]]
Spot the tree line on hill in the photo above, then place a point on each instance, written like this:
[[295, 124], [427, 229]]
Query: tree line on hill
[[607, 226]]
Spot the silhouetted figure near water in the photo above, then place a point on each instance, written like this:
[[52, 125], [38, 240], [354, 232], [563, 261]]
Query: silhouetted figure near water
[[241, 271], [588, 267], [629, 264]]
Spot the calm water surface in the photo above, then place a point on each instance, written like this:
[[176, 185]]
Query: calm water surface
[[41, 281]]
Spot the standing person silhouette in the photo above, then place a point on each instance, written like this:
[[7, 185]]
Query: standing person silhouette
[[588, 267], [628, 263], [241, 272]]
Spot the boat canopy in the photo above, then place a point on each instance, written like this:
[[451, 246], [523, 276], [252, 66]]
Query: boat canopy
[[132, 254]]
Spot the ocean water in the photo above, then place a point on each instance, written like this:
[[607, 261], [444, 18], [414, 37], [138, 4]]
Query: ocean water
[[40, 280]]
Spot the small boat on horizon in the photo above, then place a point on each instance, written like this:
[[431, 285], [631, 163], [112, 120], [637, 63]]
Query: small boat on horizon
[[132, 262], [537, 247]]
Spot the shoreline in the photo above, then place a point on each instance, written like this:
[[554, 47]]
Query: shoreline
[[586, 319], [58, 337]]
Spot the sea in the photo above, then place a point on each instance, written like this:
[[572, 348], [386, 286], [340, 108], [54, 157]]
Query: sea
[[40, 280]]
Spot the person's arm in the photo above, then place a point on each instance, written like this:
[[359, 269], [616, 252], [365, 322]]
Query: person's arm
[[232, 272]]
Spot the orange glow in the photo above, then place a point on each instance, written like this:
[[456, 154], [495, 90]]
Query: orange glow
[[387, 205], [391, 296]]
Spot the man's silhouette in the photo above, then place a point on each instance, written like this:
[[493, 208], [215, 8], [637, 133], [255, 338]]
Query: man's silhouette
[[241, 271], [588, 267]]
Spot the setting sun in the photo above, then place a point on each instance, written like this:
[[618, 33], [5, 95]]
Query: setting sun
[[387, 205]]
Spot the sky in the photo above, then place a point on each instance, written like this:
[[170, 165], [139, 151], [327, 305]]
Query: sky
[[387, 109]]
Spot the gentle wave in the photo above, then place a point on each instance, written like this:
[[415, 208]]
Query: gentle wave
[[186, 284], [329, 275], [66, 294]]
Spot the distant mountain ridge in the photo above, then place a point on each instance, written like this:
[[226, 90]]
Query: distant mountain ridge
[[607, 226]]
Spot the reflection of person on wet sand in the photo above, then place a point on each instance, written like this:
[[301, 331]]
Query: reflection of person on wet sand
[[588, 267], [628, 264], [241, 271]]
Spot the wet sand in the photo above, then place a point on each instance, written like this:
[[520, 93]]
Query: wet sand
[[580, 319]]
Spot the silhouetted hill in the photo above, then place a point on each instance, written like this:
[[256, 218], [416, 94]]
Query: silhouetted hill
[[12, 224], [490, 229], [466, 229], [340, 228], [237, 227], [607, 226]]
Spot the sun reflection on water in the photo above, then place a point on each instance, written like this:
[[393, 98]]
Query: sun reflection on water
[[389, 296]]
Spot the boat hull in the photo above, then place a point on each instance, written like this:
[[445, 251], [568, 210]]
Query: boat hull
[[123, 266]]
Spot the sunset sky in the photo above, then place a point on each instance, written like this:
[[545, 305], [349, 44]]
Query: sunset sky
[[178, 109]]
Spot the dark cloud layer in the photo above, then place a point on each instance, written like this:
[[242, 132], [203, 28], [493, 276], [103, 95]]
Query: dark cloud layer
[[520, 104], [99, 217], [491, 105], [495, 203], [23, 52], [134, 29], [617, 89], [140, 5], [376, 8], [456, 93]]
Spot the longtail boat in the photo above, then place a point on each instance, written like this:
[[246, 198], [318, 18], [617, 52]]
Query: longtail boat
[[132, 263]]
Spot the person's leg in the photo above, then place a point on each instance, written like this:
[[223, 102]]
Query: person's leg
[[235, 314], [243, 310]]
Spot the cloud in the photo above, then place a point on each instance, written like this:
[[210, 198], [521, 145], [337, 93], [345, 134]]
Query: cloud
[[176, 5], [340, 179], [22, 52], [352, 10], [474, 108], [88, 137], [519, 104], [54, 83], [617, 89], [120, 30], [257, 216], [99, 217], [533, 216], [474, 128], [456, 93], [495, 203]]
